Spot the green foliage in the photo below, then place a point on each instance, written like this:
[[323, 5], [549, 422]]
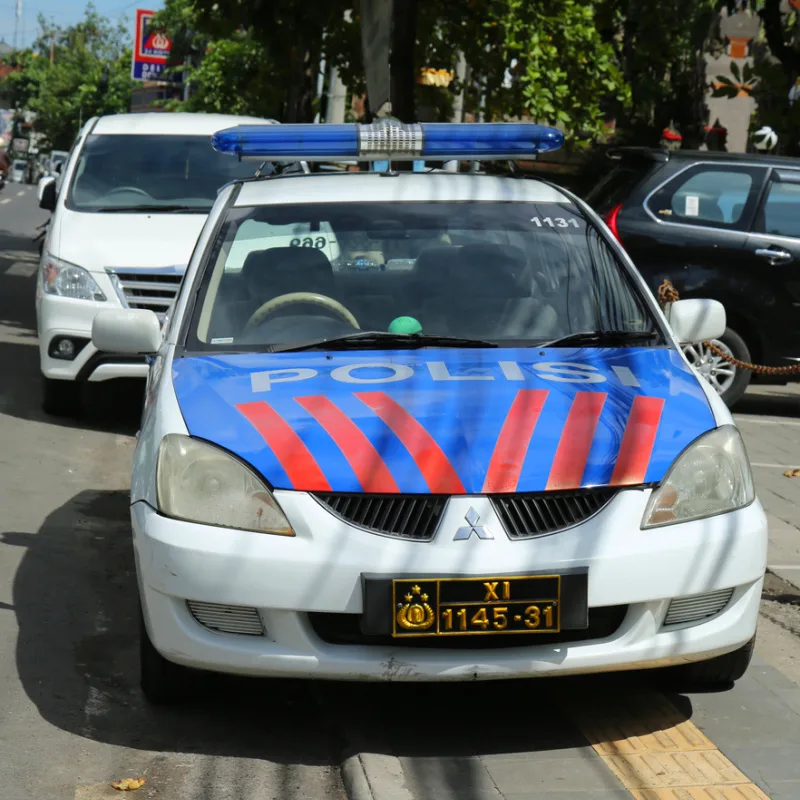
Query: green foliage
[[89, 75]]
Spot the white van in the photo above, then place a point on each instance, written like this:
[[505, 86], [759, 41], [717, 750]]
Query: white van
[[128, 206]]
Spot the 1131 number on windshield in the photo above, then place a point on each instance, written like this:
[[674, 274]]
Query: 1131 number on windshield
[[554, 222]]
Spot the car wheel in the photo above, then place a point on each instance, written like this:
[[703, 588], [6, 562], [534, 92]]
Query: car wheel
[[729, 381], [61, 398], [163, 683], [715, 673]]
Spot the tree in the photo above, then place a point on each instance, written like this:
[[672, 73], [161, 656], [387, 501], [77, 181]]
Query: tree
[[89, 75], [661, 47]]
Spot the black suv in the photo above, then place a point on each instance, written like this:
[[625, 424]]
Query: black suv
[[718, 225]]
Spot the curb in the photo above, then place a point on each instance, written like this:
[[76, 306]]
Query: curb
[[369, 776], [354, 778]]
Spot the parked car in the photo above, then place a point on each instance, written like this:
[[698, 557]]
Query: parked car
[[18, 169], [491, 462], [128, 205], [718, 225]]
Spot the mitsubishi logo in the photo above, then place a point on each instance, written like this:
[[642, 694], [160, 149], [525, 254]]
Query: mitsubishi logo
[[473, 518]]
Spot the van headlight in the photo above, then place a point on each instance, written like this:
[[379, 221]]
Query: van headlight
[[68, 280], [712, 476], [198, 482]]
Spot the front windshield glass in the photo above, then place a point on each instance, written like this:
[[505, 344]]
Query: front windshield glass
[[512, 273], [143, 172]]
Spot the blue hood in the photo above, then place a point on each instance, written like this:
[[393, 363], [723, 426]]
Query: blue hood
[[447, 421]]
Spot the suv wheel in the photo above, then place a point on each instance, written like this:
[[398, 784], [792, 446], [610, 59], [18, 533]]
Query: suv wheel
[[61, 398], [728, 380]]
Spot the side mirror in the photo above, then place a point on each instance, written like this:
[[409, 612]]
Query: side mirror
[[47, 194], [131, 331], [694, 321]]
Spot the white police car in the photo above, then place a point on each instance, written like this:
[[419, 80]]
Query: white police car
[[486, 459]]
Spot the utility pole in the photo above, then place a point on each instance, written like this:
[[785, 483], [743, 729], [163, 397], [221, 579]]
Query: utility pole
[[52, 47], [17, 17]]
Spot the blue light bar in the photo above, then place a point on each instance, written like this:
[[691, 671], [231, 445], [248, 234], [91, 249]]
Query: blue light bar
[[389, 140]]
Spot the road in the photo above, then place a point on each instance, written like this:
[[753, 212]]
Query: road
[[72, 719]]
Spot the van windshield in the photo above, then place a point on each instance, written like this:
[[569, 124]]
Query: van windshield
[[142, 173]]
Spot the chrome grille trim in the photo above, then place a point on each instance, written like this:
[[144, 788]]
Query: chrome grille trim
[[151, 289], [697, 607], [525, 516], [403, 516], [240, 620]]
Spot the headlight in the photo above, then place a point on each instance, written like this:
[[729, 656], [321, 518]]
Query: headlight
[[67, 280], [198, 482], [710, 477]]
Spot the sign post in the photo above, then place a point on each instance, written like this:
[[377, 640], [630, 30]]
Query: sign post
[[151, 51]]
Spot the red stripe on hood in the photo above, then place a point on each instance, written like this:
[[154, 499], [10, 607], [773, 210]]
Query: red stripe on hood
[[575, 443], [513, 441], [299, 465], [637, 441], [365, 461], [434, 465]]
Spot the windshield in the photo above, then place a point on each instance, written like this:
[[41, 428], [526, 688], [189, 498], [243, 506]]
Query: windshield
[[510, 273], [144, 172]]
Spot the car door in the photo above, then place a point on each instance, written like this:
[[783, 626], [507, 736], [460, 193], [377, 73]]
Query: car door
[[773, 248]]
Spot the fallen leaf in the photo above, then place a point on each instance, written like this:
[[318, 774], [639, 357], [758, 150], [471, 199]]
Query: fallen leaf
[[129, 784], [792, 473]]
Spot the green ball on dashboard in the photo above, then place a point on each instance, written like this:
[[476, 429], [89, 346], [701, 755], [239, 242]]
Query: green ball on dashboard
[[405, 325]]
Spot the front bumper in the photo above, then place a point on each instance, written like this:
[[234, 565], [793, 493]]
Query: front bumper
[[65, 316], [320, 570]]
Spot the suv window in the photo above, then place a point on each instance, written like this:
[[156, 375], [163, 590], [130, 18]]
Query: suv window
[[614, 189], [709, 195], [780, 215]]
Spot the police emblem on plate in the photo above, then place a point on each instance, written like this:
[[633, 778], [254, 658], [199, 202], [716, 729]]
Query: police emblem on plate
[[415, 614]]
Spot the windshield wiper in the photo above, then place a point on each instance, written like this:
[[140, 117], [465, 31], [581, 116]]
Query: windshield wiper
[[602, 337], [385, 340], [164, 209]]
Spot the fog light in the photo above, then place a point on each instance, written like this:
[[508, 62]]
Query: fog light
[[66, 348]]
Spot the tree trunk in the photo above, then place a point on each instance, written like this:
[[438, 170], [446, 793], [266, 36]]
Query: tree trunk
[[773, 29], [401, 67]]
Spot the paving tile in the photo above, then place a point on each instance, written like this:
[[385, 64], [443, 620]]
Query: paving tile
[[589, 794], [550, 775], [740, 718], [764, 765], [446, 777], [784, 790]]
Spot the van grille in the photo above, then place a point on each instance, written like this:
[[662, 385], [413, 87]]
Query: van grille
[[154, 290]]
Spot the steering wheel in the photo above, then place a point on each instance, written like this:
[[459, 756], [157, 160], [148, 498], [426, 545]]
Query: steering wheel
[[301, 298], [121, 189]]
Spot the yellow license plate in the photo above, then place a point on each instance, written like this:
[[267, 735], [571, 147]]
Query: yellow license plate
[[476, 606]]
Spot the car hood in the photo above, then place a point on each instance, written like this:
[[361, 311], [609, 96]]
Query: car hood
[[447, 421], [97, 241]]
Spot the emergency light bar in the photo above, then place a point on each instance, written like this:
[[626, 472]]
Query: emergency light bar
[[389, 140]]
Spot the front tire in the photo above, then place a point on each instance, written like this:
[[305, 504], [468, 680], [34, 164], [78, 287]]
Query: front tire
[[163, 683], [729, 381], [61, 398], [716, 673]]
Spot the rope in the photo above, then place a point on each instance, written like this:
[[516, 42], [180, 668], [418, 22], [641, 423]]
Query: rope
[[667, 294]]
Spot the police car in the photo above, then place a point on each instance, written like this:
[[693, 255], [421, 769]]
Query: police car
[[486, 458]]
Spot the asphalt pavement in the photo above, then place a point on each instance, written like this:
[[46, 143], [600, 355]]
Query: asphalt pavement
[[72, 719]]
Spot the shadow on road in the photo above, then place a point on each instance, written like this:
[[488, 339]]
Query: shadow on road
[[76, 604]]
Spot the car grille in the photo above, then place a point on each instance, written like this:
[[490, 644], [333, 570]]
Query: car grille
[[154, 290], [345, 629], [417, 516], [404, 516], [526, 515]]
